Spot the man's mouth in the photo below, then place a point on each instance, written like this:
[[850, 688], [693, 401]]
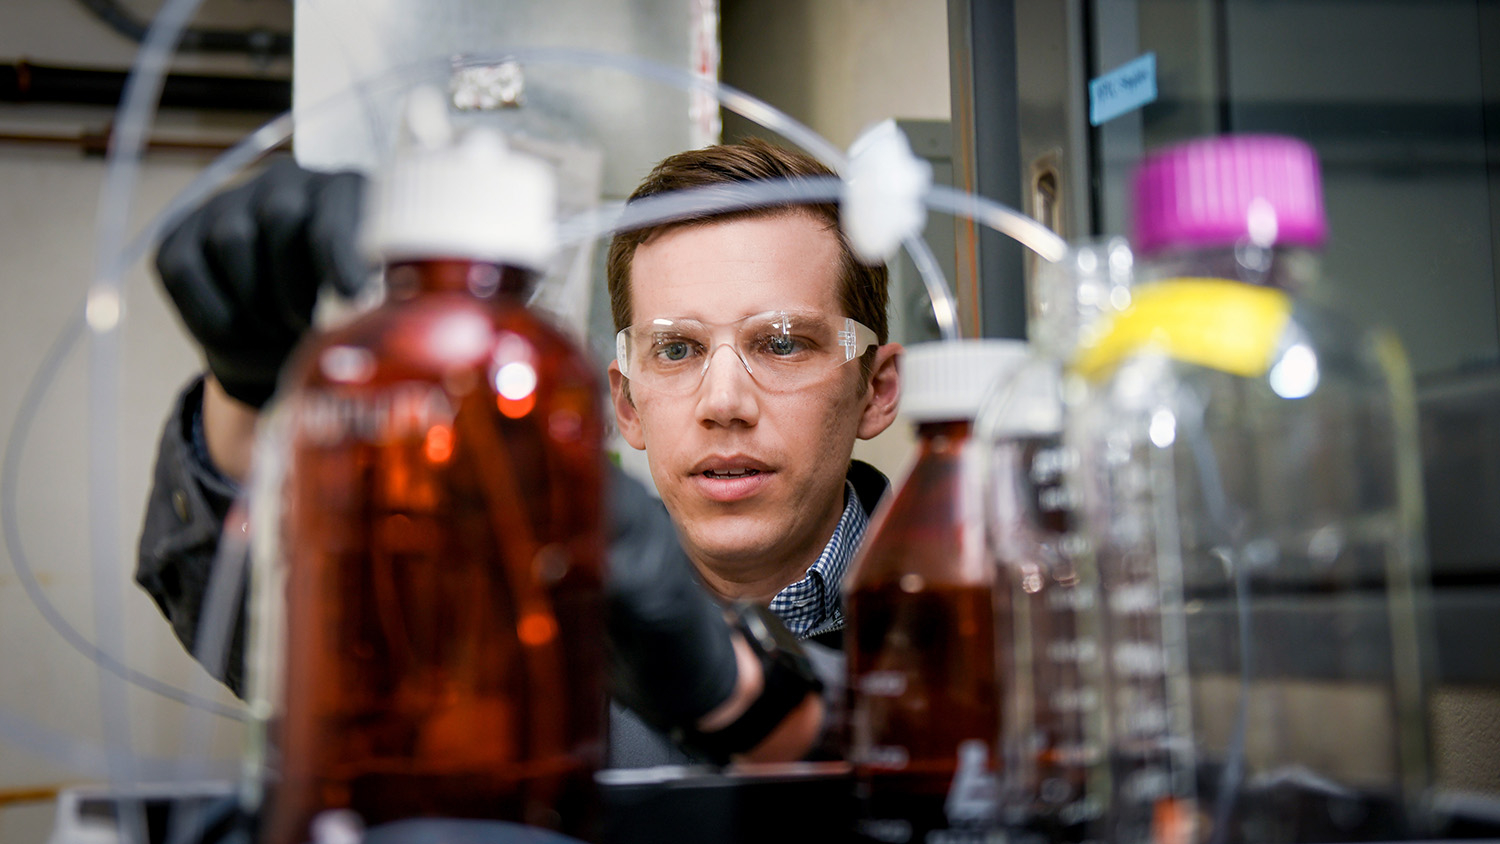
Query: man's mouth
[[729, 478], [729, 474]]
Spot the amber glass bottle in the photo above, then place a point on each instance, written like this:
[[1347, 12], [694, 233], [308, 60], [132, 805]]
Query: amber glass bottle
[[922, 651], [442, 527]]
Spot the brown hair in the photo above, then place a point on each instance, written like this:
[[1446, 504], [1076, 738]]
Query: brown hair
[[862, 288]]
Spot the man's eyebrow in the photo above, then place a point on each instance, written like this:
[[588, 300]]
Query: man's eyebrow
[[669, 318], [801, 311]]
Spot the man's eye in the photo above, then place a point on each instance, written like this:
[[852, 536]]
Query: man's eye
[[673, 350], [783, 345]]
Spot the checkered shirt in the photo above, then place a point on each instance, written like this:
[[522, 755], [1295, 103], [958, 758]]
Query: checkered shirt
[[814, 604]]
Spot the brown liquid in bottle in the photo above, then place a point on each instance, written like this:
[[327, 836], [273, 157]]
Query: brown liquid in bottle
[[925, 702], [443, 544]]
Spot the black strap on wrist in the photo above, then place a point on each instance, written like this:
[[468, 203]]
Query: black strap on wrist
[[787, 679]]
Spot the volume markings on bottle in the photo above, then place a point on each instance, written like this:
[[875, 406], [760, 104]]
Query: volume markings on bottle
[[1075, 700], [883, 684], [1075, 650], [1139, 659]]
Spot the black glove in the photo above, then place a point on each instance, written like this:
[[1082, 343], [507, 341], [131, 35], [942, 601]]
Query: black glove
[[673, 657], [244, 270], [673, 661]]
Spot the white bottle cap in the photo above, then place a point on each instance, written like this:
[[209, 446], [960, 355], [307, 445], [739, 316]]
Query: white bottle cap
[[470, 198], [947, 381], [1026, 402]]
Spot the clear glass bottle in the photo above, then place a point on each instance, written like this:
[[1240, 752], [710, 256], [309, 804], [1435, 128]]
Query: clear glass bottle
[[1051, 733], [921, 608], [441, 533], [1249, 487], [1051, 648]]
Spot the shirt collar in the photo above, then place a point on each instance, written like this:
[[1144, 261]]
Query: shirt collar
[[814, 604]]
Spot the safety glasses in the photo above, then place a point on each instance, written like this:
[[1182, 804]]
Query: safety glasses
[[783, 351]]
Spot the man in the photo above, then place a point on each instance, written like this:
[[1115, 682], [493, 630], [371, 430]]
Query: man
[[756, 474], [755, 470], [753, 473]]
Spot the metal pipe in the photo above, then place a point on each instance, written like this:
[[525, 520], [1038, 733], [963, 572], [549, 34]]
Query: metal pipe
[[23, 82], [259, 43], [97, 143]]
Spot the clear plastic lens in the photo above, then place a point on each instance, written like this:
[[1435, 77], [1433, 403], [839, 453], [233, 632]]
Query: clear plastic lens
[[782, 350]]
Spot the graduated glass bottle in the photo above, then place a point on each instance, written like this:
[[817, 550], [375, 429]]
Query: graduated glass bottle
[[441, 532], [1052, 701], [1249, 489], [924, 679], [1051, 652]]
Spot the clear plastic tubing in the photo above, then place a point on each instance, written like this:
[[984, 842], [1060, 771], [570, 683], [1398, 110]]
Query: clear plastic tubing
[[102, 315], [603, 223]]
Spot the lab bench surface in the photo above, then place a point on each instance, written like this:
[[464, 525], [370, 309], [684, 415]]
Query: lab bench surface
[[785, 804]]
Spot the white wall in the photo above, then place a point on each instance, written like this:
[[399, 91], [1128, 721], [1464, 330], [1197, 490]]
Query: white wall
[[45, 264], [50, 710], [839, 65]]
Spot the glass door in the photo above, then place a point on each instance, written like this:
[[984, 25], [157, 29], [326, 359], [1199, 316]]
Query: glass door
[[1401, 100], [1398, 98]]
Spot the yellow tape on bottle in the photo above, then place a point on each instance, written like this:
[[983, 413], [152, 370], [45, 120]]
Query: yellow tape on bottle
[[1224, 325]]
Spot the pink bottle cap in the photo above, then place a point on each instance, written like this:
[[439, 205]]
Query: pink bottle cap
[[1219, 191]]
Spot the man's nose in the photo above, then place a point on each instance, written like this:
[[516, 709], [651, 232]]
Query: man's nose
[[728, 392]]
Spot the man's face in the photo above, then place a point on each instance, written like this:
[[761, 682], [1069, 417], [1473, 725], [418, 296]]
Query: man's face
[[795, 445]]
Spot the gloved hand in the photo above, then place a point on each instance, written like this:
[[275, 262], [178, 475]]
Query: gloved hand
[[672, 657], [244, 270], [673, 649]]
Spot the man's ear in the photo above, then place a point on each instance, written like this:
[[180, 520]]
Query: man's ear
[[883, 396], [625, 415]]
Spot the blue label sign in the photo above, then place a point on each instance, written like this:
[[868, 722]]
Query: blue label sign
[[1126, 88]]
